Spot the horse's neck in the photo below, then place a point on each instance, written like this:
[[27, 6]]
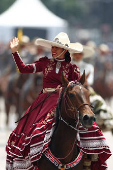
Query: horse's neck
[[62, 143]]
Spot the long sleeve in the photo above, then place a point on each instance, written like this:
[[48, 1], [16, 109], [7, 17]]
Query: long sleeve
[[28, 68]]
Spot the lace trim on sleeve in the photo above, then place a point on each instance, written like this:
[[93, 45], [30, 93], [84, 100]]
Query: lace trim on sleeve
[[34, 68]]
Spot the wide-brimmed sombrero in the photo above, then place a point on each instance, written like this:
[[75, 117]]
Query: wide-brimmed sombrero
[[25, 39], [87, 51], [104, 48], [61, 40]]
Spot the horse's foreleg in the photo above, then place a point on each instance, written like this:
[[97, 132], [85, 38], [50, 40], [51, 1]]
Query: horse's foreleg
[[7, 110]]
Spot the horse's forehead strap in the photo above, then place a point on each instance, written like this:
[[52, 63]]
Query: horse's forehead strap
[[73, 82]]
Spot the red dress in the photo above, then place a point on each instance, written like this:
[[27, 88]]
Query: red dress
[[33, 133]]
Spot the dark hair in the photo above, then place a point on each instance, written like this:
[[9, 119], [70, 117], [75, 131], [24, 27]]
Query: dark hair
[[67, 57]]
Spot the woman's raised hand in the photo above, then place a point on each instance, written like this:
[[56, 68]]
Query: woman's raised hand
[[14, 45]]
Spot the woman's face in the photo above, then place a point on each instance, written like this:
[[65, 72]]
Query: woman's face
[[56, 51]]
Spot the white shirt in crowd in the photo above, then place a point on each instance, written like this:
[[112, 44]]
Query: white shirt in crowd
[[89, 68]]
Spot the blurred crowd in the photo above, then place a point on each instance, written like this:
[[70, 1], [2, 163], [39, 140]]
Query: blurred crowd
[[103, 69], [20, 90]]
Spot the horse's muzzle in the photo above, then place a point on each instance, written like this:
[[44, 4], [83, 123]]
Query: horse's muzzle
[[88, 121]]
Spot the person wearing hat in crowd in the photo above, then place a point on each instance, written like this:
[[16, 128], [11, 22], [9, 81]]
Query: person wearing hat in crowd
[[94, 46], [23, 49], [25, 146], [102, 57], [104, 72], [77, 58]]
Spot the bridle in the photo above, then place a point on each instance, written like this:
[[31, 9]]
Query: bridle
[[72, 109], [68, 105]]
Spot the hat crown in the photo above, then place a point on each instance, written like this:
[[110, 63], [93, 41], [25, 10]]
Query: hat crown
[[77, 46], [62, 38], [87, 51], [25, 39], [61, 41], [104, 47]]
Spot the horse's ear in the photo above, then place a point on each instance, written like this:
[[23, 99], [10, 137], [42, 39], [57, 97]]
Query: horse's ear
[[64, 80], [87, 75], [82, 78]]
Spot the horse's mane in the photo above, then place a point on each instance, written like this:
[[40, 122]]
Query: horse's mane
[[58, 108]]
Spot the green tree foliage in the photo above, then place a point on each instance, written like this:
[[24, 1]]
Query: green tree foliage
[[86, 13], [71, 10], [5, 4]]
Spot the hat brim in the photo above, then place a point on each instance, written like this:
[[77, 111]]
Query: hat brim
[[48, 44], [88, 52]]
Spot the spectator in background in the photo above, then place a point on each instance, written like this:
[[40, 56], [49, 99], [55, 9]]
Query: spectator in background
[[24, 49], [103, 51], [104, 72], [93, 45], [104, 115], [39, 51], [102, 110], [77, 58]]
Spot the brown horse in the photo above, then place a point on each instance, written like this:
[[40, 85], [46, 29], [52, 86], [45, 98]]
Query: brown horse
[[12, 92], [73, 109]]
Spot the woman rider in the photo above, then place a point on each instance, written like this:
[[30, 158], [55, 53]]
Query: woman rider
[[33, 133]]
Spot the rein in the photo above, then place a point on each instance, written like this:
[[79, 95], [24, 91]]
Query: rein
[[74, 140], [68, 106], [72, 109], [49, 155], [35, 106]]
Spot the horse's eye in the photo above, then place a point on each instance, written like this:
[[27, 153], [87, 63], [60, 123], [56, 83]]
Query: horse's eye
[[71, 95], [92, 107]]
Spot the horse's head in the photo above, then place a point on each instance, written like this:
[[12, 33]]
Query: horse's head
[[75, 103]]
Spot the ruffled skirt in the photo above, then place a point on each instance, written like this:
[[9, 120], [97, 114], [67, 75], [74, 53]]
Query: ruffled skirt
[[33, 133]]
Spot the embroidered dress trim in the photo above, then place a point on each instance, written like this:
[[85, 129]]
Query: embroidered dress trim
[[20, 164], [57, 163], [58, 65]]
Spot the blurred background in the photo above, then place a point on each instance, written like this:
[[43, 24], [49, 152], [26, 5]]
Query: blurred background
[[86, 21]]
